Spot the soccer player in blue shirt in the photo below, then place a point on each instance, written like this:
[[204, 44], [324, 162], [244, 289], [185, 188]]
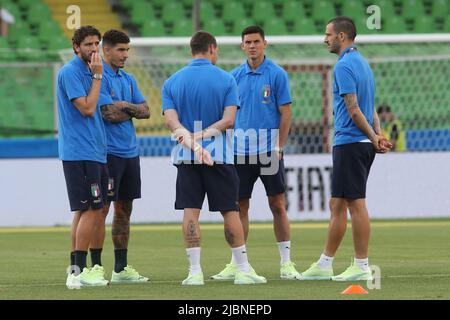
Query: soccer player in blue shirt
[[261, 129], [82, 149], [357, 138], [199, 103], [124, 183]]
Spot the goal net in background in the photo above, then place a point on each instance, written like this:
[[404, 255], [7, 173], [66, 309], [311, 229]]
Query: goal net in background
[[411, 72]]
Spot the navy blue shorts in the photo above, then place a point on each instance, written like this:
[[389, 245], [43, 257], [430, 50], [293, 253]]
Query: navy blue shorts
[[220, 182], [272, 176], [87, 184], [351, 166], [124, 181]]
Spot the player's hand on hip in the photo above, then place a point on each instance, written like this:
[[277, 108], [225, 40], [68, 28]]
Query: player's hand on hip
[[96, 64]]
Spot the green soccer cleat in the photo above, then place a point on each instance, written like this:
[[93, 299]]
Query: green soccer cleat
[[226, 274], [73, 281], [248, 277], [288, 271], [194, 280], [127, 275], [94, 277], [316, 273], [354, 273]]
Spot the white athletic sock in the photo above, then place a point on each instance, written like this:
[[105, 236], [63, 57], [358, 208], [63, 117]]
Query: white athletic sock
[[325, 261], [285, 251], [194, 260], [362, 263], [232, 260], [240, 258]]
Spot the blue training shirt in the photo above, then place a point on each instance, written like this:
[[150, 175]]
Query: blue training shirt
[[79, 137], [261, 93], [200, 92], [121, 136], [352, 74]]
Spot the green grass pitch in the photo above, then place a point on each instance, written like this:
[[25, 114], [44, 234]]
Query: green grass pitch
[[412, 255]]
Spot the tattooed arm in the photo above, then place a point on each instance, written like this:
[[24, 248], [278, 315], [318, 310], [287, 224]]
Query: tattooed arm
[[376, 123], [114, 113], [138, 111], [360, 120]]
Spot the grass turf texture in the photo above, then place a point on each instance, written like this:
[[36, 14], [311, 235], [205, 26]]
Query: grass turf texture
[[412, 256]]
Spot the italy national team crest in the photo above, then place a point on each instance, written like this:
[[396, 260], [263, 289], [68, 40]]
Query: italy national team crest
[[95, 190], [266, 94]]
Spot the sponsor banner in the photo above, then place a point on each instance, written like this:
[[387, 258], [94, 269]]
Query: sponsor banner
[[401, 185]]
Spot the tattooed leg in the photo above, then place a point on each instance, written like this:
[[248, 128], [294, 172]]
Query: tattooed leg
[[121, 224], [191, 228]]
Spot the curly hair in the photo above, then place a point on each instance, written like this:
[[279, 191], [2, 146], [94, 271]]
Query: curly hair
[[83, 32]]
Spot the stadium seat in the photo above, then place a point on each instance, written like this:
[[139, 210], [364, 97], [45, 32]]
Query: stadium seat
[[207, 10], [394, 25], [412, 9], [275, 27], [182, 28], [240, 25], [262, 11], [293, 11], [232, 11], [440, 8], [141, 12], [424, 24], [304, 27], [354, 9], [215, 27], [172, 11], [323, 11], [153, 28]]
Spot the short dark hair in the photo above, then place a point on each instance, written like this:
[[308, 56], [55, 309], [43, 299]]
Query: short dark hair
[[344, 24], [82, 32], [201, 41], [252, 29], [113, 37]]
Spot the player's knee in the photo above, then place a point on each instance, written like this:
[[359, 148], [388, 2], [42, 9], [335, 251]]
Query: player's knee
[[277, 207]]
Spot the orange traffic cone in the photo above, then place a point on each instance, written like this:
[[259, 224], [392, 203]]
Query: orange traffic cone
[[355, 289]]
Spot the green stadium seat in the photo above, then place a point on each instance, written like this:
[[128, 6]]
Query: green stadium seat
[[182, 28], [353, 8], [159, 3], [13, 9], [232, 11], [275, 27], [240, 25], [153, 28], [29, 48], [172, 11], [394, 25], [424, 24], [387, 8], [323, 11], [440, 8], [141, 12], [215, 27], [207, 10], [412, 9], [292, 11], [49, 29], [447, 24], [304, 27], [262, 11]]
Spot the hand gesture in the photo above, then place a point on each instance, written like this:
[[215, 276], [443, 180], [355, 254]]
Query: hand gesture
[[96, 64]]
